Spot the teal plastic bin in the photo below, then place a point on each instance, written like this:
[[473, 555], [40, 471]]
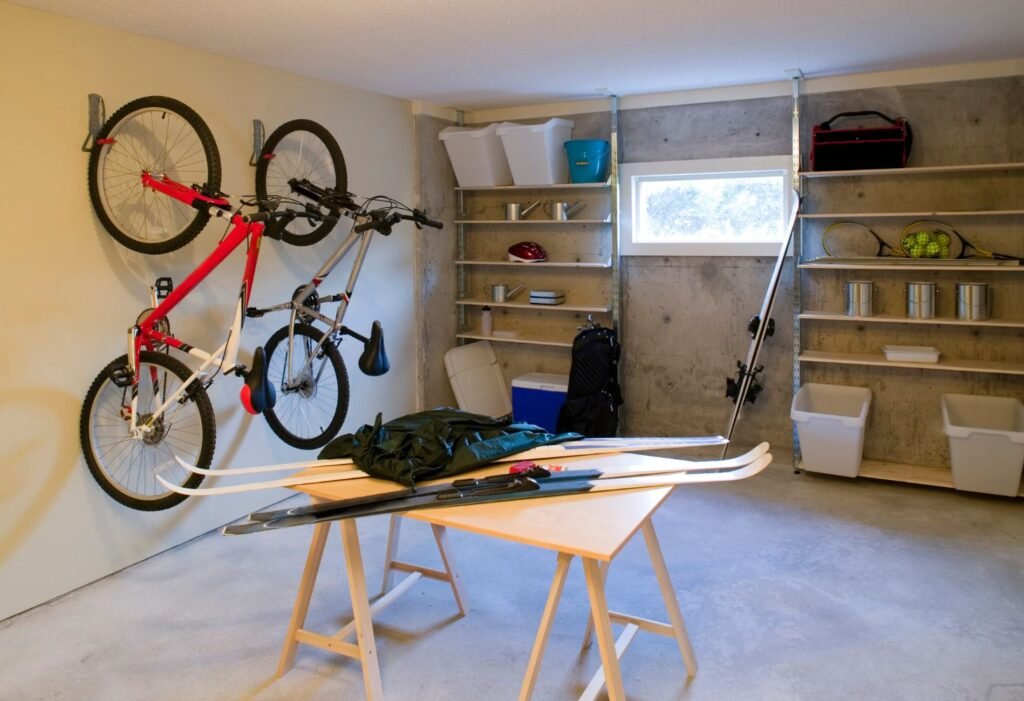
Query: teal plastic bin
[[589, 160]]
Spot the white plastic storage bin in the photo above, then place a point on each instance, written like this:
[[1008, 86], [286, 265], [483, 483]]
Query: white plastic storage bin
[[538, 397], [534, 151], [476, 379], [986, 442], [477, 155], [830, 421]]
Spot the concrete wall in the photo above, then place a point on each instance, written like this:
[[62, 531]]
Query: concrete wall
[[70, 290], [684, 318]]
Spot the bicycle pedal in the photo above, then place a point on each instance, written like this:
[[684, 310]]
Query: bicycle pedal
[[121, 377], [254, 313]]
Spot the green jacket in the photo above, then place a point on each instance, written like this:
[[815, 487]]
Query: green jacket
[[436, 443]]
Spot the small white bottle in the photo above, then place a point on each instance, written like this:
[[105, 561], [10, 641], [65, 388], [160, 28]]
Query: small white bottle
[[486, 322]]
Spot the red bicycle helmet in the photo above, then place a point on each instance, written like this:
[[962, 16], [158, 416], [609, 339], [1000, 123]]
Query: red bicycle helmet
[[527, 252]]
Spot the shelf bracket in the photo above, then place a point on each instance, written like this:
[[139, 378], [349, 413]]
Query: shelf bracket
[[97, 115], [258, 138]]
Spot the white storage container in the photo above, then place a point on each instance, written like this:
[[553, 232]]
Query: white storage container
[[476, 379], [912, 354], [986, 442], [830, 421], [477, 155], [535, 153]]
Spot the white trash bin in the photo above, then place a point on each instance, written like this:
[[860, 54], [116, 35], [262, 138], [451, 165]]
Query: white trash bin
[[535, 153], [986, 442], [477, 155], [830, 421]]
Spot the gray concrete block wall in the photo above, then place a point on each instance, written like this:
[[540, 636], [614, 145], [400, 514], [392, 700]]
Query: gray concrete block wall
[[684, 318]]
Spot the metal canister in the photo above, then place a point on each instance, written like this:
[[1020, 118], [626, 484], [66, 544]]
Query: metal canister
[[860, 297], [972, 301], [921, 300]]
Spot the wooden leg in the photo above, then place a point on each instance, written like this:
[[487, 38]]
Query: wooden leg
[[550, 608], [361, 610], [588, 633], [394, 530], [603, 629], [669, 594], [441, 536], [301, 608]]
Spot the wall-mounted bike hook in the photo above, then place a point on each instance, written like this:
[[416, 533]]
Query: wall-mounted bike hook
[[258, 134], [96, 119]]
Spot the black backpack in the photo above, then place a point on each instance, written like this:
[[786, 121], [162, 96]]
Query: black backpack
[[593, 398]]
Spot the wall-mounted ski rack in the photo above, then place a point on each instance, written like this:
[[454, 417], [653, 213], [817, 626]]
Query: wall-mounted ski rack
[[97, 115]]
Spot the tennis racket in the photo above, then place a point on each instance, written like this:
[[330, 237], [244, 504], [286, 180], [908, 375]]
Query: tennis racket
[[847, 240], [953, 245]]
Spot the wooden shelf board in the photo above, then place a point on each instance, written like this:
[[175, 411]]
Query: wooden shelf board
[[477, 336], [908, 474], [594, 309], [561, 186], [532, 222], [911, 215], [545, 264], [894, 319], [877, 359], [913, 170], [923, 266]]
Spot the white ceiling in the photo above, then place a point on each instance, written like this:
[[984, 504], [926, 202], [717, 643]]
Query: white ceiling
[[478, 54]]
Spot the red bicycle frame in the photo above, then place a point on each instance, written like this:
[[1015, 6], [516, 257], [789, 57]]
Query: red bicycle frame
[[145, 333]]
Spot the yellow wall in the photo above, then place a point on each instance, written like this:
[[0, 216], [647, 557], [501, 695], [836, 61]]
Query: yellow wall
[[69, 291]]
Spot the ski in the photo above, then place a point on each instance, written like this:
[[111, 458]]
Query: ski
[[493, 480], [586, 446], [516, 487]]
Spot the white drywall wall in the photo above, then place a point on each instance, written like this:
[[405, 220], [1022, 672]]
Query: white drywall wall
[[70, 291]]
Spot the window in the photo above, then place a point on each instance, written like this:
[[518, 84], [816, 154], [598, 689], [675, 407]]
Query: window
[[728, 207]]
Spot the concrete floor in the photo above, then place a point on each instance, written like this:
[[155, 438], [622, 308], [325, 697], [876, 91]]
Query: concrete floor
[[793, 587]]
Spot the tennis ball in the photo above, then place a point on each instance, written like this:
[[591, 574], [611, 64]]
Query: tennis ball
[[942, 237], [933, 249], [944, 251], [922, 237], [916, 251]]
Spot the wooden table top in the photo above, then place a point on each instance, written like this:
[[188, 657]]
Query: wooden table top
[[589, 525]]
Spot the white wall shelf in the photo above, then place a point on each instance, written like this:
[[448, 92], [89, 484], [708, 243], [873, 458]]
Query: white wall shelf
[[474, 335], [587, 308], [913, 215], [914, 170], [532, 222], [947, 365], [546, 264], [519, 188], [908, 268], [893, 319]]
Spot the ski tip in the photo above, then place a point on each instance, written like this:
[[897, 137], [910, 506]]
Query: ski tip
[[187, 466]]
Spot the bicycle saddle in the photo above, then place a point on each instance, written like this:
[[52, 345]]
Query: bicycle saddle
[[374, 359], [257, 393]]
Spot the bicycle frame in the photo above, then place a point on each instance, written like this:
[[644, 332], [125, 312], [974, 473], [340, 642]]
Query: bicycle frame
[[363, 238], [146, 333]]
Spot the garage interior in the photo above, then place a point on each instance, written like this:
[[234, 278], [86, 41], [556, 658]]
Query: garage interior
[[899, 583]]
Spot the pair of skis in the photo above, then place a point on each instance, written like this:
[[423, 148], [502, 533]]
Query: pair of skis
[[535, 482], [345, 469]]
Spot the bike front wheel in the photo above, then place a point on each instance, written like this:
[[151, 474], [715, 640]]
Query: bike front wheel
[[301, 150], [125, 465], [159, 136], [312, 397]]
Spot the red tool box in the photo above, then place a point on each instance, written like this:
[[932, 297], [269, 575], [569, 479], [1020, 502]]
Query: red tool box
[[883, 146]]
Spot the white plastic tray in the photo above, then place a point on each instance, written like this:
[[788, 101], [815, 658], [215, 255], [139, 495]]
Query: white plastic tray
[[912, 354]]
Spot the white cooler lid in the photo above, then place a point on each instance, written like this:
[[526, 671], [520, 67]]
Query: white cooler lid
[[542, 380]]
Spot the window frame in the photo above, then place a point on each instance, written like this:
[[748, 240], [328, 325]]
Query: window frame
[[632, 174]]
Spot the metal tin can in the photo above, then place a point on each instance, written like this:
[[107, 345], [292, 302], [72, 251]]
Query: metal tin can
[[972, 303], [860, 297], [921, 300]]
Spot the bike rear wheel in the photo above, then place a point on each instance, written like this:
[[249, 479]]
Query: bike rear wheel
[[311, 406], [124, 465], [301, 149], [160, 136]]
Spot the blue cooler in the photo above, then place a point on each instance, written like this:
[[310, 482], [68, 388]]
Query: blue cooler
[[538, 397], [589, 160]]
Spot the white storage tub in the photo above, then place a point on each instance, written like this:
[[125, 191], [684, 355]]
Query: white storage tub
[[534, 151], [477, 155], [912, 354], [830, 421], [986, 442]]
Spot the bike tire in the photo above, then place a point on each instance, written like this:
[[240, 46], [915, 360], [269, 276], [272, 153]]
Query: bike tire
[[124, 466], [310, 416], [301, 149], [157, 135]]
